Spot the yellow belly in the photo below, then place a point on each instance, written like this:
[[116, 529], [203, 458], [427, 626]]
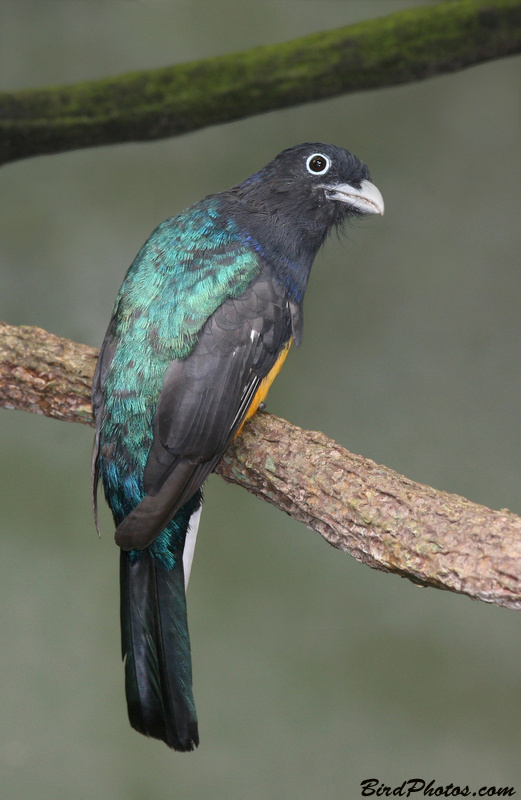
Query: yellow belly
[[265, 384]]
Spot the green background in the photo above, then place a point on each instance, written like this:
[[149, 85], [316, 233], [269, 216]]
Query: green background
[[312, 673]]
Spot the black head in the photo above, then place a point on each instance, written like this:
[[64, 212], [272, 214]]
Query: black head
[[287, 209], [305, 191]]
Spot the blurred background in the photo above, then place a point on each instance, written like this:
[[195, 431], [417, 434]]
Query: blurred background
[[311, 672]]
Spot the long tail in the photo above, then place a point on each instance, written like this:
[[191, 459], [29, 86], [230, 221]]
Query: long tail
[[156, 650]]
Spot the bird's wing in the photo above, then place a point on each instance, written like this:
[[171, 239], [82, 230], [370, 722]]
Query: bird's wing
[[186, 269], [204, 400]]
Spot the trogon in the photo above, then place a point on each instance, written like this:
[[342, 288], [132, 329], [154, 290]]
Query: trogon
[[202, 324]]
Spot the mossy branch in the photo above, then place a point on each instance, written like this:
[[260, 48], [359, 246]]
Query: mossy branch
[[381, 518], [403, 47]]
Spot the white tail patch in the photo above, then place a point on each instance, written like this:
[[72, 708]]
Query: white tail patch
[[191, 536]]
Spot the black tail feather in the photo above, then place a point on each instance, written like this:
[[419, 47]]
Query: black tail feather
[[156, 650]]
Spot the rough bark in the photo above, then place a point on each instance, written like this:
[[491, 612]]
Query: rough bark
[[381, 518], [41, 373], [406, 46]]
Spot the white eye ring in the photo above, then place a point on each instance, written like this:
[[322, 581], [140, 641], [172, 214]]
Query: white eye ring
[[321, 171]]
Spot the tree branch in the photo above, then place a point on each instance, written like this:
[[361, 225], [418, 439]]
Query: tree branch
[[381, 518], [41, 373], [406, 46]]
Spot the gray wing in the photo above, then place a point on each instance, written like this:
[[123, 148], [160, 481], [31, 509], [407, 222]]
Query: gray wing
[[204, 399]]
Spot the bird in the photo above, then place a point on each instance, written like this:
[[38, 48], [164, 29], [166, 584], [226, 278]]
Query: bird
[[201, 326]]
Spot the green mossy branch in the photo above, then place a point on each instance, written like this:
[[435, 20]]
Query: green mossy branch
[[382, 519], [403, 47]]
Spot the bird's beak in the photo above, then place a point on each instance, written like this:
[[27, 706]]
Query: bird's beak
[[367, 199]]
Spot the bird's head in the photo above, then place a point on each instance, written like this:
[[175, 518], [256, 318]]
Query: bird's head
[[296, 199], [286, 210], [307, 190]]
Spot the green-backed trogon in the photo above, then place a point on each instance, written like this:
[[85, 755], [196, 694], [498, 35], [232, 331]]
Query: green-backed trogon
[[201, 326]]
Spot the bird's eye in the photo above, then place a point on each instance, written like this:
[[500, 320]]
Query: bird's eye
[[318, 164]]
